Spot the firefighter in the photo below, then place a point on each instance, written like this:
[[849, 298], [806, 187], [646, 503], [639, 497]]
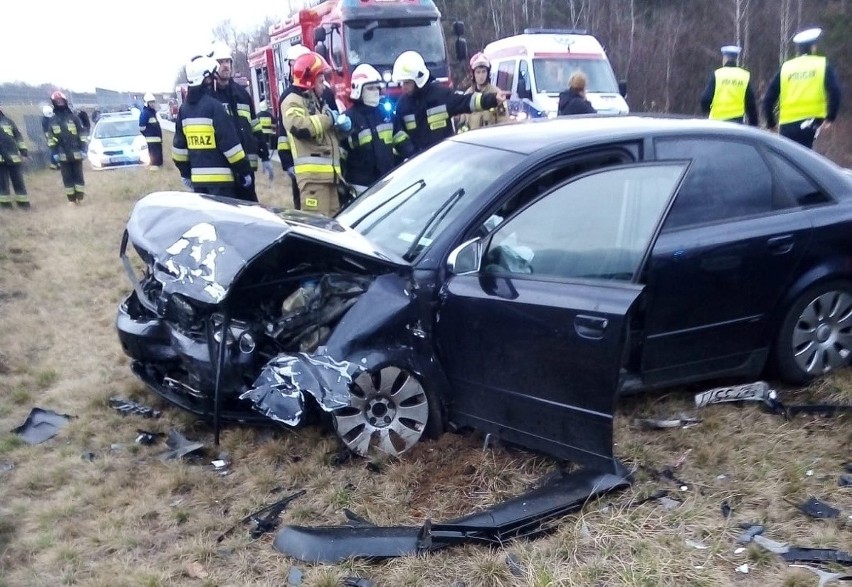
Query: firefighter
[[149, 126], [310, 129], [806, 90], [207, 149], [283, 144], [367, 151], [728, 94], [240, 106], [12, 152], [267, 124], [480, 72], [423, 112], [69, 138], [47, 115]]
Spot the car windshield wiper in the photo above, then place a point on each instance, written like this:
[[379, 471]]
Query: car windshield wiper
[[434, 220]]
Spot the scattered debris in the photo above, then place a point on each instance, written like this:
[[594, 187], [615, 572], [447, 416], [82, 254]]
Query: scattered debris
[[146, 438], [696, 544], [221, 464], [357, 582], [845, 480], [824, 576], [294, 577], [268, 522], [750, 531], [41, 425], [817, 555], [667, 474], [661, 424], [668, 503], [6, 466], [757, 391], [180, 446], [739, 550], [726, 508], [126, 407], [196, 570], [771, 545], [742, 569], [88, 456], [514, 564], [818, 509]]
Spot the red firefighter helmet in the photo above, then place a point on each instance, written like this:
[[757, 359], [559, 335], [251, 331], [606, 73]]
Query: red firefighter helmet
[[308, 70], [57, 95]]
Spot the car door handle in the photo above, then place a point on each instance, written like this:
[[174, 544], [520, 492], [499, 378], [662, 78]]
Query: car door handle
[[781, 245], [590, 326]]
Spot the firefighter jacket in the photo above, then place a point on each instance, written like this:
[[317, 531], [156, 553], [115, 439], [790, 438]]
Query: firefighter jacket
[[423, 118], [149, 125], [207, 148], [267, 123], [805, 87], [367, 151], [67, 135], [313, 144], [12, 146], [488, 117], [240, 106], [284, 154]]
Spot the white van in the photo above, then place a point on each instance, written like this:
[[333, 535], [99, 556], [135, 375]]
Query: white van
[[536, 65]]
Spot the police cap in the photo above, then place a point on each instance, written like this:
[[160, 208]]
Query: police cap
[[807, 37], [732, 50]]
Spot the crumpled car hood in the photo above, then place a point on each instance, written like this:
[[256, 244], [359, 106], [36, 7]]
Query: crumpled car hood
[[200, 244]]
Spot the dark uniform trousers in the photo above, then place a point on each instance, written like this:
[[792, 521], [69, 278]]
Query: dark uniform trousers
[[72, 179], [14, 173], [803, 136]]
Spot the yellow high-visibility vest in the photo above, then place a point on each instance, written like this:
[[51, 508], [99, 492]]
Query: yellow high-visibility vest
[[729, 96], [802, 89]]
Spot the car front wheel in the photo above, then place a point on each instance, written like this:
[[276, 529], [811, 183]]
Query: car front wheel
[[816, 335], [389, 409]]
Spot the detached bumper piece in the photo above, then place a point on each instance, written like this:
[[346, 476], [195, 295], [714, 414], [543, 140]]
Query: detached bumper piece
[[524, 516]]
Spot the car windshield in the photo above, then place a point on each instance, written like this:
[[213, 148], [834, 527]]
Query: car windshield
[[408, 208], [551, 75], [380, 42], [110, 129]]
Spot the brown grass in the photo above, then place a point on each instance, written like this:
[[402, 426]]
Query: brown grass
[[126, 518]]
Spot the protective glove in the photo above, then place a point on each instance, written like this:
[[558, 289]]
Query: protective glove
[[343, 123], [186, 182], [330, 111], [267, 169], [247, 181]]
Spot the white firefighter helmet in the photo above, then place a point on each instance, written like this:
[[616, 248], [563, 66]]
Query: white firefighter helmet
[[220, 50], [480, 60], [296, 51], [364, 74], [261, 105], [410, 66], [47, 111], [149, 97], [200, 68]]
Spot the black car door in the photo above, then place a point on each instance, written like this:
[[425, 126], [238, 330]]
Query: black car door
[[532, 340], [727, 253]]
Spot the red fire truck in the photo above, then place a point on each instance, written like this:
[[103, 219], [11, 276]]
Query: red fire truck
[[350, 32], [264, 85]]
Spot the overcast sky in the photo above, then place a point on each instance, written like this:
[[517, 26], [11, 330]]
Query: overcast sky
[[138, 46]]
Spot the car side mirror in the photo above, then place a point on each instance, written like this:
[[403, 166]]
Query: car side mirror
[[466, 258], [319, 35], [458, 28], [321, 50], [622, 88]]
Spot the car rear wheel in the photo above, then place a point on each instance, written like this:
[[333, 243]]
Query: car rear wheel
[[389, 409], [816, 335]]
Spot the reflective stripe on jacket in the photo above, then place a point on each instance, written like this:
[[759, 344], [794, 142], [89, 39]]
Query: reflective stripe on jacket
[[67, 135], [803, 93], [484, 117], [12, 146], [730, 93], [368, 149], [313, 144], [149, 125]]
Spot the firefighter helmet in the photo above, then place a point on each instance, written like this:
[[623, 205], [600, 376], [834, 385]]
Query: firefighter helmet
[[364, 74], [262, 105], [199, 68], [47, 111], [410, 66], [308, 70], [149, 97], [296, 51], [57, 95], [480, 60], [220, 51]]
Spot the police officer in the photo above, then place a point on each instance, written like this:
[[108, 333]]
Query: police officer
[[239, 104], [149, 126], [480, 72], [267, 124], [423, 112], [12, 151], [806, 90], [69, 137], [207, 149], [367, 150], [283, 144], [310, 130], [728, 94]]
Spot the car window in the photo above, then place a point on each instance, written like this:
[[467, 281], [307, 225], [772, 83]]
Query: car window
[[726, 180], [595, 227], [336, 43], [803, 190], [110, 129], [506, 75], [524, 86]]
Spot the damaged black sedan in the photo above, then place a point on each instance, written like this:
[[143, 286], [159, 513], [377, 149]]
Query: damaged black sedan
[[514, 279]]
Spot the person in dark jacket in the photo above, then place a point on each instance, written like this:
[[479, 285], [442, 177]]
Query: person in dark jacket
[[806, 90], [149, 126], [728, 94], [424, 112], [573, 100], [240, 106], [12, 152], [367, 151], [47, 116], [68, 135], [207, 149], [267, 124]]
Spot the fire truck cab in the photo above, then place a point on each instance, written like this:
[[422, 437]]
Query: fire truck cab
[[351, 32], [263, 78], [535, 66]]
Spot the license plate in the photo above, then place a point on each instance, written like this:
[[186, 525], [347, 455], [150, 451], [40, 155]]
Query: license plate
[[118, 159]]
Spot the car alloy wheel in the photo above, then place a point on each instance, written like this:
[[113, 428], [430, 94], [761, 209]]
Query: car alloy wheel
[[388, 409], [818, 333]]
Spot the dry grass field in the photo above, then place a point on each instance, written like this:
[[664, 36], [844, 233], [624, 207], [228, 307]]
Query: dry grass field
[[92, 507]]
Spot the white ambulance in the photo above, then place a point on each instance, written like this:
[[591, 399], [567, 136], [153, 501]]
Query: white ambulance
[[536, 65]]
